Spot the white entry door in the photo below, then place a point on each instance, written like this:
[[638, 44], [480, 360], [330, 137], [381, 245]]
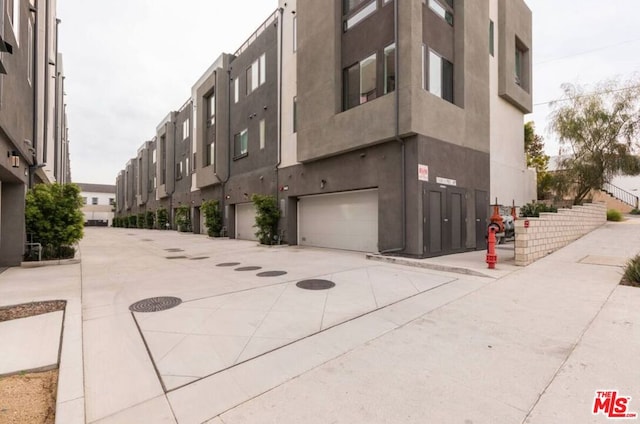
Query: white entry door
[[245, 221]]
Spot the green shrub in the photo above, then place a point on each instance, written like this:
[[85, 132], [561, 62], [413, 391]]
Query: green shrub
[[614, 215], [162, 218], [53, 218], [133, 221], [533, 210], [141, 220], [183, 218], [212, 217], [149, 220], [635, 211], [267, 216], [631, 275]]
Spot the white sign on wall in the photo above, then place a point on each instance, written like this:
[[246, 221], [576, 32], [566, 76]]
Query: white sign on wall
[[423, 173], [446, 181]]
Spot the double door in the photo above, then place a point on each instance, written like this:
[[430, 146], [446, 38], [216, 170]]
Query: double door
[[445, 220]]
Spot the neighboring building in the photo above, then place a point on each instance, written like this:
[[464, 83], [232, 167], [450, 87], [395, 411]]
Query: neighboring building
[[99, 204], [33, 131], [378, 125]]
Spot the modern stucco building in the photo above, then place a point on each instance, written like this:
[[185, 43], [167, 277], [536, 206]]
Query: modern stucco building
[[99, 202], [379, 125], [33, 122]]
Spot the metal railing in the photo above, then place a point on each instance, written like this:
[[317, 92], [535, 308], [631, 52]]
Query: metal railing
[[620, 194], [253, 37]]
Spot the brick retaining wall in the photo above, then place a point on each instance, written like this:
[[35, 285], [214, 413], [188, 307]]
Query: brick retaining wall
[[553, 231]]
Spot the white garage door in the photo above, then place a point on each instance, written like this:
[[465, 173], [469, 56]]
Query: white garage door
[[245, 221], [340, 221]]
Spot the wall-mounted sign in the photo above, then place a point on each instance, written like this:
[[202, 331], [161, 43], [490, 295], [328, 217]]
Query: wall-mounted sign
[[446, 181], [423, 173]]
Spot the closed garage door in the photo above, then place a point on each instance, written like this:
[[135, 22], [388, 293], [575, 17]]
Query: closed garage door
[[340, 221], [245, 221]]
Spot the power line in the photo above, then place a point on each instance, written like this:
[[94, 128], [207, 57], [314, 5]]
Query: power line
[[586, 52], [595, 93]]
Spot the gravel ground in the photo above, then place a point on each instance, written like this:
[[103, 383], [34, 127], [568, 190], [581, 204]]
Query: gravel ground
[[28, 398], [30, 309]]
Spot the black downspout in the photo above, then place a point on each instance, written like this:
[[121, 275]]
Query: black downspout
[[34, 138], [46, 84], [57, 173], [230, 144], [398, 138], [277, 168]]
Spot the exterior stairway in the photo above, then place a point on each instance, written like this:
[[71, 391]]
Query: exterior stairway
[[616, 198]]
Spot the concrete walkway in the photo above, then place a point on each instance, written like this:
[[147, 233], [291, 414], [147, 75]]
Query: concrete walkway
[[388, 344]]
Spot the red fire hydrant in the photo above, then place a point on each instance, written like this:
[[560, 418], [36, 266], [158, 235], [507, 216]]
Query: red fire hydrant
[[492, 257]]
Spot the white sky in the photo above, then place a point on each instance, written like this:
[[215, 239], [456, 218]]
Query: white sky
[[129, 62]]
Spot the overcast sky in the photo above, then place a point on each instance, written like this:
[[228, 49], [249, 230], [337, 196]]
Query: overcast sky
[[129, 62]]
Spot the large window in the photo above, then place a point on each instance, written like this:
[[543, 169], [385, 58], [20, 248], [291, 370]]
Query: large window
[[210, 156], [491, 38], [440, 76], [442, 8], [389, 68], [263, 133], [360, 82], [94, 200], [240, 143], [163, 158], [14, 17], [179, 170], [185, 129], [256, 73], [236, 89], [358, 16], [519, 65], [211, 109]]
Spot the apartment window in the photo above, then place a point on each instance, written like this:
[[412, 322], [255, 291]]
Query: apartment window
[[153, 155], [295, 114], [360, 15], [94, 200], [163, 156], [179, 170], [522, 65], [14, 17], [211, 109], [112, 201], [440, 76], [240, 143], [257, 73], [442, 9], [210, 154], [155, 182], [519, 65], [185, 129], [491, 38], [84, 200], [295, 34], [360, 82], [30, 51], [236, 90], [263, 134], [389, 68], [186, 166], [193, 169]]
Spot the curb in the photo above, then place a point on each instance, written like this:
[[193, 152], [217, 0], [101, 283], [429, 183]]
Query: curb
[[436, 267]]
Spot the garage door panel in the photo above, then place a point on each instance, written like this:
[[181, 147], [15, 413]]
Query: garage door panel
[[341, 221], [245, 221]]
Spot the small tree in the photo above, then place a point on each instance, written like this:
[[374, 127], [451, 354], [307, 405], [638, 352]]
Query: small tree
[[267, 216], [537, 159], [183, 218], [149, 219], [53, 215], [212, 217], [597, 133], [162, 218]]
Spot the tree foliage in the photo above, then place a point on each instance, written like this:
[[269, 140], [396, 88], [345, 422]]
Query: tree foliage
[[537, 159], [53, 215], [267, 216], [183, 218], [212, 217], [598, 134]]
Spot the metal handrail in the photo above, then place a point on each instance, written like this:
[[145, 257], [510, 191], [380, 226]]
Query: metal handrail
[[253, 37], [622, 195]]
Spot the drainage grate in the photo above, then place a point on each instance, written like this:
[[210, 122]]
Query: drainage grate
[[199, 258], [248, 268], [174, 249], [229, 264], [176, 257], [315, 284], [271, 273], [155, 304]]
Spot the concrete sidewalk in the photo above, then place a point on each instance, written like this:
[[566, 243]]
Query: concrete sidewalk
[[388, 344]]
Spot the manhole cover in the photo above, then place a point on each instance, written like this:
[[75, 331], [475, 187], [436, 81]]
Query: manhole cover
[[315, 284], [155, 304], [174, 249], [199, 258], [176, 257], [248, 268], [271, 273], [229, 264]]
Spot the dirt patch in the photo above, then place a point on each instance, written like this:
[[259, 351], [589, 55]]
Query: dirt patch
[[625, 282], [24, 310], [28, 398]]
